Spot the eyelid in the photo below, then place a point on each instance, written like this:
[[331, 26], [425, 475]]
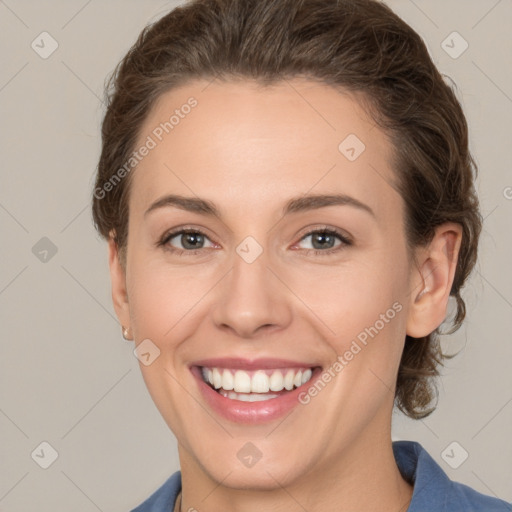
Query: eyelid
[[326, 228], [345, 239], [171, 233]]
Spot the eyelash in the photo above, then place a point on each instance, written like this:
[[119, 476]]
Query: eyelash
[[317, 252]]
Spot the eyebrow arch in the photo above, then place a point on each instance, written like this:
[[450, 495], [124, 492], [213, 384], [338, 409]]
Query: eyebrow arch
[[294, 205], [190, 204], [312, 202]]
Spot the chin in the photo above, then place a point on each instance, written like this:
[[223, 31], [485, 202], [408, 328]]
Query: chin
[[260, 474]]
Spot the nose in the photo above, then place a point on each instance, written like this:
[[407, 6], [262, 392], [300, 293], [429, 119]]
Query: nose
[[252, 299]]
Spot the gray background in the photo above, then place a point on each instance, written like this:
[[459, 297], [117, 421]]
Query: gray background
[[68, 377]]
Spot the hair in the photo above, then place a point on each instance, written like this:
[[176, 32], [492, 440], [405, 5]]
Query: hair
[[358, 46]]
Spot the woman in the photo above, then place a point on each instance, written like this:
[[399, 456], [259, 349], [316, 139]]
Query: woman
[[287, 194]]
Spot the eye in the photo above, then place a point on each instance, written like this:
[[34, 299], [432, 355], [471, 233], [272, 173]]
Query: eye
[[191, 241], [323, 241]]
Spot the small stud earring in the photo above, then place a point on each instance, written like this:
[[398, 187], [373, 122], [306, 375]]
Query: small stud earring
[[126, 333]]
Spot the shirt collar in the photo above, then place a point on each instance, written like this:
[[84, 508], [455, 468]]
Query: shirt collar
[[431, 484]]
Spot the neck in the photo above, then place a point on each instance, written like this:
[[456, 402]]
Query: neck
[[363, 477]]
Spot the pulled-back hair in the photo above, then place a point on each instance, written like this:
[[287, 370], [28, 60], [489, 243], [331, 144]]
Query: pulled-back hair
[[359, 46]]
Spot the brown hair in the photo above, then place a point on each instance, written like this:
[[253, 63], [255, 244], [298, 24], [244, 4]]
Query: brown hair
[[359, 46]]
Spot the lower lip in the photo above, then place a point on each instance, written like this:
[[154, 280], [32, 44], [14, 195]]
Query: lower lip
[[251, 412]]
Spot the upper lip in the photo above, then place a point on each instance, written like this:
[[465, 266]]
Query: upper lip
[[252, 364]]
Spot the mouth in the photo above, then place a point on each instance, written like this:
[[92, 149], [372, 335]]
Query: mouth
[[255, 385], [253, 392]]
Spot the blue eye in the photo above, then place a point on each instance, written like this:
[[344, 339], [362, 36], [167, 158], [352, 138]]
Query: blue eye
[[192, 241], [323, 241]]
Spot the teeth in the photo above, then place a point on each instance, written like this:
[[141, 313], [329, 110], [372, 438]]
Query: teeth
[[260, 381], [276, 381], [306, 376], [242, 382], [288, 380], [217, 378], [248, 397], [228, 382]]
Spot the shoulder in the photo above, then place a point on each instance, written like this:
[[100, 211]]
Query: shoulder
[[163, 499], [433, 490]]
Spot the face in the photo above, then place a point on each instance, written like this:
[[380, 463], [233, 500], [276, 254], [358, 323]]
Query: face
[[293, 266]]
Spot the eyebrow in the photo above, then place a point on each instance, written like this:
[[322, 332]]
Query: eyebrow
[[294, 205]]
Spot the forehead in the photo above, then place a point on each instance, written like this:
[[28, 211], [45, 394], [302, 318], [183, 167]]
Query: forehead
[[228, 140]]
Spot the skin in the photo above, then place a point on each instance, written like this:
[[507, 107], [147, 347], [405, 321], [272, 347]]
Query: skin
[[249, 149]]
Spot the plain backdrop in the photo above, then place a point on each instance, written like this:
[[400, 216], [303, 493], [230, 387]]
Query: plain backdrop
[[67, 378]]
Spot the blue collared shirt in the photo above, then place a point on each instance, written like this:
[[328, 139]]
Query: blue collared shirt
[[433, 491]]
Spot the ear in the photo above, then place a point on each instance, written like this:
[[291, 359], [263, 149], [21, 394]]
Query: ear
[[432, 281], [118, 280]]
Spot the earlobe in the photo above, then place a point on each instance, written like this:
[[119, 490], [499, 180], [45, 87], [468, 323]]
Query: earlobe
[[432, 282], [118, 282]]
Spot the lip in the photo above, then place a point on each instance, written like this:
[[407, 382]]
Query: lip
[[251, 413], [240, 363]]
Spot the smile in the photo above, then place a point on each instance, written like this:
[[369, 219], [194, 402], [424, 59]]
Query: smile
[[252, 391], [256, 385]]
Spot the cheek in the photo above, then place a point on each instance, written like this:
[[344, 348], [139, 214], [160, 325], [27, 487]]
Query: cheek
[[164, 300], [352, 297], [361, 309], [164, 307]]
